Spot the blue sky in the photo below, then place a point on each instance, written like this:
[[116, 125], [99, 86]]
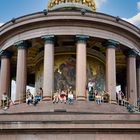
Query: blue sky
[[126, 9]]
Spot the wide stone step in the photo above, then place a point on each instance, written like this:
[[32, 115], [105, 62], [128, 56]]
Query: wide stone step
[[78, 106]]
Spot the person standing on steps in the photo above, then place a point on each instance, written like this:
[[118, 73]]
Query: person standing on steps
[[90, 90]]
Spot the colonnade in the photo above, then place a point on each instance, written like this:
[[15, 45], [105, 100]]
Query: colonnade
[[133, 80]]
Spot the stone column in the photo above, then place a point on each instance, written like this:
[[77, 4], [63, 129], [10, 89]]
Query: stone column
[[131, 77], [48, 78], [138, 79], [111, 69], [5, 73], [21, 75], [81, 59]]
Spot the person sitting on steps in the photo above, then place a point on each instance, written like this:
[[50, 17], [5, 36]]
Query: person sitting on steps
[[56, 96], [37, 98], [63, 96], [41, 92], [29, 99], [4, 101]]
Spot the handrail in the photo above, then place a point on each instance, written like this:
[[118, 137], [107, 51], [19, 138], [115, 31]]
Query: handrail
[[130, 106]]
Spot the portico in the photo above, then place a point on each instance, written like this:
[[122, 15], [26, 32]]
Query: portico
[[67, 45], [92, 51], [81, 53]]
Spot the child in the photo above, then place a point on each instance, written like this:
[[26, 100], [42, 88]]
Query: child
[[98, 97], [70, 95]]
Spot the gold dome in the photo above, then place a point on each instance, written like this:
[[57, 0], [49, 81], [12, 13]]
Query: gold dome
[[83, 4]]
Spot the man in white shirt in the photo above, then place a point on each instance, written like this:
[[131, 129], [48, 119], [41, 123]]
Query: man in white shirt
[[90, 85], [90, 90]]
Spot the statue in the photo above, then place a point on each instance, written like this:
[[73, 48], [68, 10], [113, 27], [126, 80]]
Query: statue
[[89, 3]]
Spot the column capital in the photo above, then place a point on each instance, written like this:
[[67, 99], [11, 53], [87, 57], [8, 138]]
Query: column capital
[[22, 44], [48, 39], [138, 63], [131, 53], [5, 54], [82, 38], [111, 44]]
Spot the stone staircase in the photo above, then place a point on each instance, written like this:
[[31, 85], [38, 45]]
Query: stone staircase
[[77, 107], [79, 121]]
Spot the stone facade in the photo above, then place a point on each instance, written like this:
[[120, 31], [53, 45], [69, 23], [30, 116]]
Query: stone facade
[[36, 42]]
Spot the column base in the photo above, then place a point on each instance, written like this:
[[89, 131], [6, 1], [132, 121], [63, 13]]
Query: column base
[[81, 98], [16, 102], [46, 98], [113, 102]]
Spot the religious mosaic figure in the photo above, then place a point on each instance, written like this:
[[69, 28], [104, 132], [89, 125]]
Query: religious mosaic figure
[[64, 76]]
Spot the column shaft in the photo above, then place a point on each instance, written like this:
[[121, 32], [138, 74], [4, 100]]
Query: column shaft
[[111, 73], [81, 68], [111, 69], [21, 75], [48, 82], [5, 76], [131, 80]]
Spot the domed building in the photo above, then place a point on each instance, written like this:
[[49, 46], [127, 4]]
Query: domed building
[[69, 44]]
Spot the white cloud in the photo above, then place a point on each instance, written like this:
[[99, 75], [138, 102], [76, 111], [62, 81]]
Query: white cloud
[[99, 3], [134, 20], [138, 5], [1, 24]]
